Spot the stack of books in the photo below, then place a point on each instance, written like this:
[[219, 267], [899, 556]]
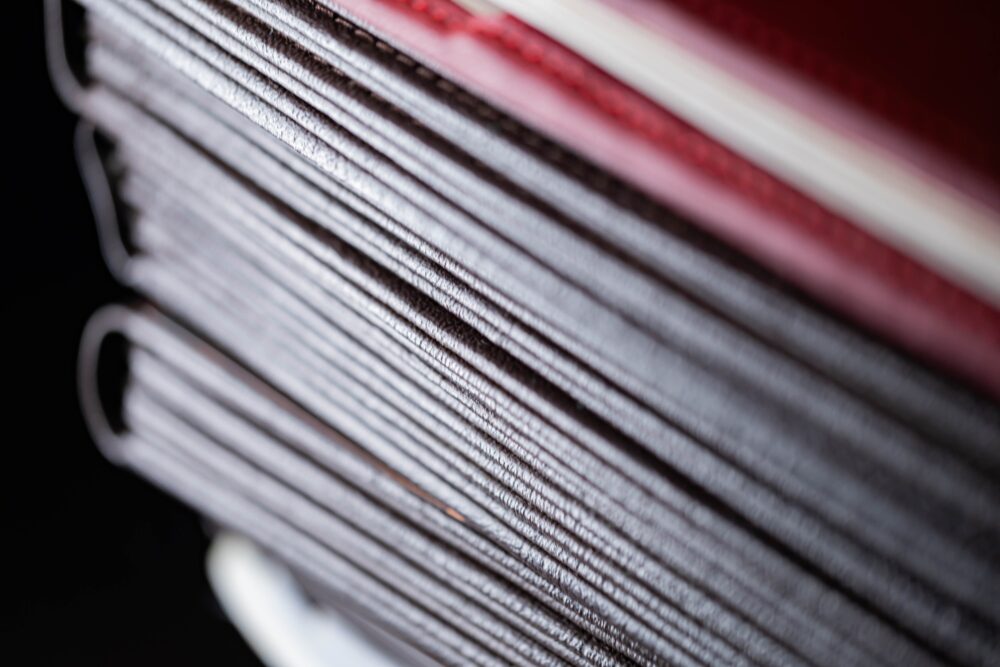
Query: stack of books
[[583, 332]]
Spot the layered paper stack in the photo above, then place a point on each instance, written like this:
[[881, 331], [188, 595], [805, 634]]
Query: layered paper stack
[[585, 332]]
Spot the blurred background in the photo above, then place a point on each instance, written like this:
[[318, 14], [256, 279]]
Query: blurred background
[[101, 568]]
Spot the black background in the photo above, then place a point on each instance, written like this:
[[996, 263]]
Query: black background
[[98, 567]]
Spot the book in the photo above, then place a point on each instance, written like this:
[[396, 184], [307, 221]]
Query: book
[[512, 380]]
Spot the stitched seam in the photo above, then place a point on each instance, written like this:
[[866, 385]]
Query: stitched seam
[[619, 102]]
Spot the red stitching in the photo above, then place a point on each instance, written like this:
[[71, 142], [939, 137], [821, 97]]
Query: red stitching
[[442, 12], [633, 111]]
